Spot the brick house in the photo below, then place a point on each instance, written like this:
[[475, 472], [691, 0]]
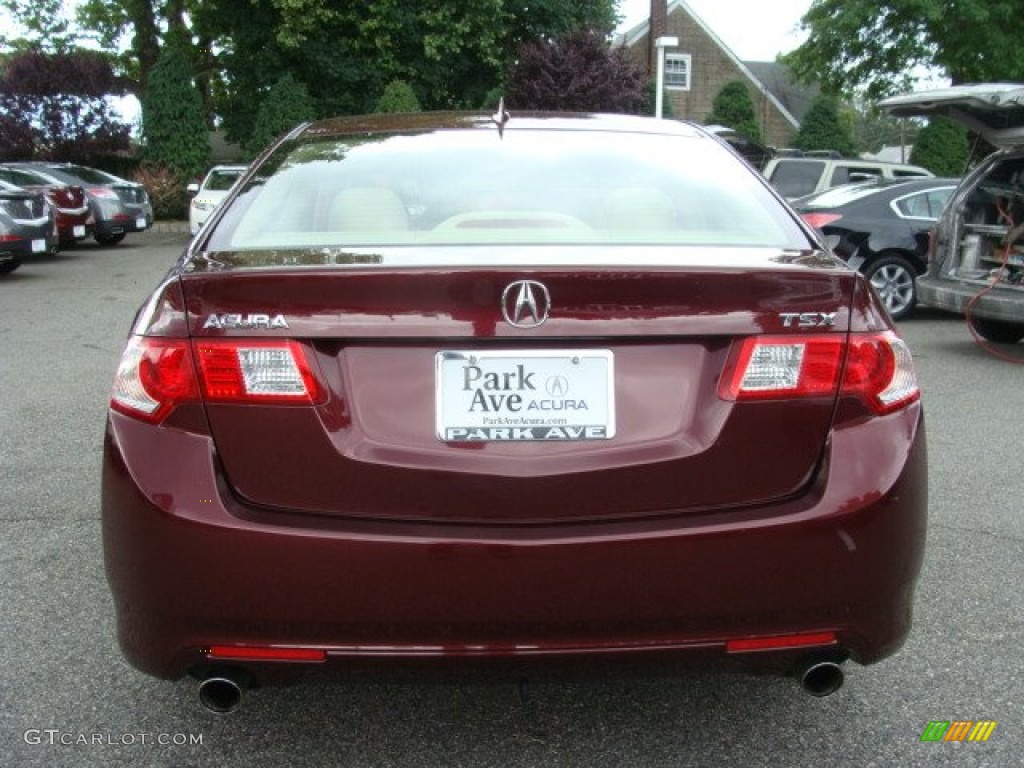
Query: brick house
[[702, 64]]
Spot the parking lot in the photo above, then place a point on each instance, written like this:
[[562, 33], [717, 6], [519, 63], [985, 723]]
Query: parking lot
[[69, 699]]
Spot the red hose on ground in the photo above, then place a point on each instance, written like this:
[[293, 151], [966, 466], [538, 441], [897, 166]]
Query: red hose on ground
[[1003, 214]]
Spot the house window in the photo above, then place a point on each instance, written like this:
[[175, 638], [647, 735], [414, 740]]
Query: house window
[[677, 71]]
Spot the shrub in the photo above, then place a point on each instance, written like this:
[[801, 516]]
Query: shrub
[[398, 96], [941, 147], [166, 187], [821, 128], [734, 109]]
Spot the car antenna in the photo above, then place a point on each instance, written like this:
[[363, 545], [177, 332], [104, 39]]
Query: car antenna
[[501, 117]]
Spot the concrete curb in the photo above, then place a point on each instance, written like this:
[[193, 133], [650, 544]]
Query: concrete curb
[[170, 226]]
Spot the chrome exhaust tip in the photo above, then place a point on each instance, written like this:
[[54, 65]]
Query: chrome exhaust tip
[[821, 678], [220, 694]]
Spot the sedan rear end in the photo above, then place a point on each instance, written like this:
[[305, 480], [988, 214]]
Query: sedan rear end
[[437, 388], [27, 226]]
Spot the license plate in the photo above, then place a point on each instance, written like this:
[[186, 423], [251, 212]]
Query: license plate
[[38, 246], [550, 395], [140, 223], [78, 231]]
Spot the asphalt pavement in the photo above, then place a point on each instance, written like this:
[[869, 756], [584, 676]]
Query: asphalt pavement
[[68, 699]]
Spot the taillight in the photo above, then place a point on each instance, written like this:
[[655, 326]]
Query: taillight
[[156, 375], [819, 220], [876, 367], [102, 192], [256, 371], [770, 367], [880, 369]]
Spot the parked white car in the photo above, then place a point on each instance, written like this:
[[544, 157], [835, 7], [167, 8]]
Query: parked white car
[[207, 195]]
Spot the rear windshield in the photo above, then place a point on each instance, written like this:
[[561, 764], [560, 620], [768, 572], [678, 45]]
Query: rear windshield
[[796, 179], [81, 173], [220, 180], [527, 186], [21, 178]]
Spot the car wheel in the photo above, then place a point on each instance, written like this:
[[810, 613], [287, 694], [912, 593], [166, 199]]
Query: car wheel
[[109, 239], [998, 331], [893, 278]]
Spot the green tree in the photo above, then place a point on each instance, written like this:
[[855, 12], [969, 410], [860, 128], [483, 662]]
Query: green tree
[[941, 147], [286, 105], [822, 128], [873, 129], [144, 24], [398, 96], [734, 109], [46, 26], [880, 45], [173, 128]]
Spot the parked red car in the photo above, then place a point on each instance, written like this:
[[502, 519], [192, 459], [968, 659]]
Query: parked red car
[[74, 221], [447, 389]]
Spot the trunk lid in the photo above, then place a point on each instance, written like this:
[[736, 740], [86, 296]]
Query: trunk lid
[[993, 110], [379, 338]]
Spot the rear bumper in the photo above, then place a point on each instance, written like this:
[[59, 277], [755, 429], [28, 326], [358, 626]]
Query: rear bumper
[[119, 226], [28, 246], [75, 227], [190, 567], [1001, 303]]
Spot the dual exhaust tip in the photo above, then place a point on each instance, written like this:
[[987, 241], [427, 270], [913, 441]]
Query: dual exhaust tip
[[222, 693]]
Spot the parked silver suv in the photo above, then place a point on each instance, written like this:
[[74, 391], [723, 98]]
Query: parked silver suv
[[976, 267], [795, 177]]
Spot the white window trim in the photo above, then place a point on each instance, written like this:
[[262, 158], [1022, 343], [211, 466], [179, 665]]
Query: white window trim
[[686, 59]]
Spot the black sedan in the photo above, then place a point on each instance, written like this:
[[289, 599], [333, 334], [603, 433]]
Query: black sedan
[[881, 228], [27, 226]]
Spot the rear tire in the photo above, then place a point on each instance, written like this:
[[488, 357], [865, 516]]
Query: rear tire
[[997, 331], [109, 239], [894, 280]]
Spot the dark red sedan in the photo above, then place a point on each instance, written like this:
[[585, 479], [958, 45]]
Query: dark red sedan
[[451, 390]]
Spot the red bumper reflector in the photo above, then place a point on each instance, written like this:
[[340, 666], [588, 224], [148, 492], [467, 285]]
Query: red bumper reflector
[[779, 642], [258, 653]]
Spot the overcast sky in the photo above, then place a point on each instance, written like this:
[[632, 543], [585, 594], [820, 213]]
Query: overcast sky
[[755, 30]]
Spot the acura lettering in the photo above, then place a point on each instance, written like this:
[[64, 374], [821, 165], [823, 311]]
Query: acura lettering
[[257, 321]]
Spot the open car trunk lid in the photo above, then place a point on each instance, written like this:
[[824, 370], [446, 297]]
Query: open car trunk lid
[[993, 110], [439, 409]]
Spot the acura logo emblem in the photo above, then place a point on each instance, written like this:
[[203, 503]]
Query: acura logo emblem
[[525, 303]]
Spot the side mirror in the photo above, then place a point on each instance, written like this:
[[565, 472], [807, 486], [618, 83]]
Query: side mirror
[[192, 188]]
